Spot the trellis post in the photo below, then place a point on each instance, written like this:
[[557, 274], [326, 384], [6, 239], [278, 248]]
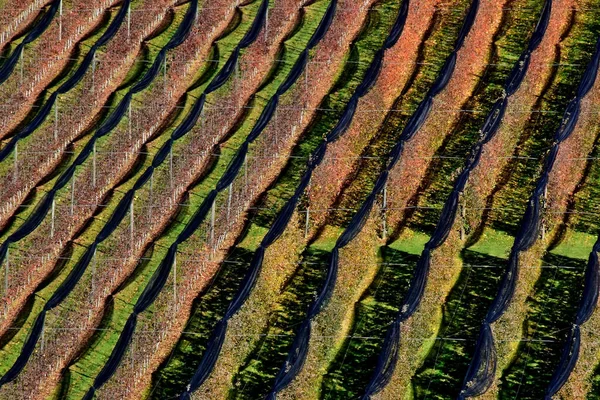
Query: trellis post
[[151, 204], [267, 23], [94, 265], [22, 61], [93, 72], [171, 167], [384, 212], [128, 22], [306, 225], [545, 206], [131, 225], [246, 174], [229, 201], [462, 219], [72, 194], [56, 119], [212, 224], [276, 130], [129, 120], [175, 281], [16, 166], [60, 13], [165, 75], [6, 271], [52, 218], [42, 339], [94, 165]]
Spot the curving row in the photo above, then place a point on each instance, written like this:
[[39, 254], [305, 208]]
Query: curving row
[[42, 209], [389, 354], [156, 284], [36, 218], [482, 368], [297, 354], [159, 278], [159, 158], [40, 26], [45, 110], [587, 305], [218, 335]]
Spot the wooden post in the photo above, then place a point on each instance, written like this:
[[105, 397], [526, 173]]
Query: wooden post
[[52, 218], [72, 194], [6, 271], [306, 225], [132, 351], [94, 165], [175, 281], [545, 206], [42, 340], [131, 225], [60, 13], [128, 22], [384, 212], [462, 219], [305, 90], [229, 201], [56, 120], [150, 203], [94, 265], [212, 224], [93, 72], [267, 24], [171, 166], [246, 174], [276, 130], [165, 75], [237, 84], [16, 167], [129, 120], [22, 61]]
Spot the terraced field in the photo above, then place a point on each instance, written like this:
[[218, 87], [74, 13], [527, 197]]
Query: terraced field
[[299, 199]]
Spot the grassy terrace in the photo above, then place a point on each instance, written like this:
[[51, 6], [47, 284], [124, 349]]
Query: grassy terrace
[[211, 305], [88, 364], [576, 243], [508, 203], [125, 298], [11, 348], [375, 270], [553, 303], [29, 246], [83, 106], [509, 42], [379, 304], [68, 99], [44, 57], [297, 293], [483, 261]]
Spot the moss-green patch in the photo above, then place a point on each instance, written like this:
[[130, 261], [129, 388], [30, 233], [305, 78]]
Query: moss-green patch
[[353, 366], [132, 290], [575, 245], [494, 243], [369, 40], [410, 242], [447, 360], [552, 306]]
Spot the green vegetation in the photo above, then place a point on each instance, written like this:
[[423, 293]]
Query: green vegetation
[[188, 347]]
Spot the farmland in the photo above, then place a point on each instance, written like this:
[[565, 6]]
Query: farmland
[[299, 199]]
